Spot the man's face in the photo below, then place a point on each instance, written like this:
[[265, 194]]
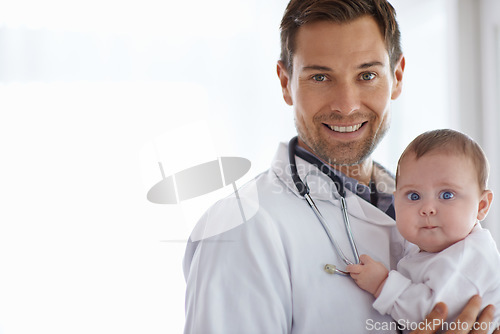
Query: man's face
[[341, 89]]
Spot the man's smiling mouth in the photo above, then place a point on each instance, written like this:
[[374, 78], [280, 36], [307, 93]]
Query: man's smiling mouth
[[345, 129]]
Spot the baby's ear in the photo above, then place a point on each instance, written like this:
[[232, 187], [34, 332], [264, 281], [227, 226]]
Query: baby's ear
[[484, 204]]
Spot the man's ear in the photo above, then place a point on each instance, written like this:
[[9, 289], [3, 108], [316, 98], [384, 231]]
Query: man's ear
[[285, 82], [397, 85], [484, 204]]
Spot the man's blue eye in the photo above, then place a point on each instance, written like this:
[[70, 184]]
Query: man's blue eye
[[319, 77], [413, 196], [446, 195], [368, 76]]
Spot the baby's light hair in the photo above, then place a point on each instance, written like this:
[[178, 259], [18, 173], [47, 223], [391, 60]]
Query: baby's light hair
[[449, 142]]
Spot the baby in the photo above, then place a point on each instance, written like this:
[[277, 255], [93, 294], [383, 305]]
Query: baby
[[440, 198]]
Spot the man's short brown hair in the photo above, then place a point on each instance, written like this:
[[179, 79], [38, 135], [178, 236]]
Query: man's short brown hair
[[300, 12]]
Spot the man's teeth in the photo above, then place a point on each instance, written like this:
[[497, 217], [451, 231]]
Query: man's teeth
[[351, 128]]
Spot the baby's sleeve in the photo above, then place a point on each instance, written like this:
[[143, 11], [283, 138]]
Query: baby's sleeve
[[442, 281], [404, 300]]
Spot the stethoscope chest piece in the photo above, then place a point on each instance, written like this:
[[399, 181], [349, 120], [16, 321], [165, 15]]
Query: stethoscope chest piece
[[330, 268]]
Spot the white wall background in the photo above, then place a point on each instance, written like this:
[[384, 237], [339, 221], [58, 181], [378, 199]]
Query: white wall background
[[94, 93]]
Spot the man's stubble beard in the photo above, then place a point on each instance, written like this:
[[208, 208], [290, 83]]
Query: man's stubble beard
[[343, 154]]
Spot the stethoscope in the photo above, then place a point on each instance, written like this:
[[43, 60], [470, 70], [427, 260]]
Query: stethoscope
[[303, 189]]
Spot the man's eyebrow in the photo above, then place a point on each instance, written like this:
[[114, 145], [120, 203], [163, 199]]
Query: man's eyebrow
[[370, 64], [317, 68], [328, 69]]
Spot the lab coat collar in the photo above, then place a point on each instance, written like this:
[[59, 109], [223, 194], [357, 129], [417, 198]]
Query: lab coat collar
[[322, 188]]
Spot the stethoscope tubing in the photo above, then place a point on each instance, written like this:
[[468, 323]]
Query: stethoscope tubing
[[347, 224], [303, 189], [327, 230]]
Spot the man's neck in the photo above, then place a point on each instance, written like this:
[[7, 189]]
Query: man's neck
[[361, 172]]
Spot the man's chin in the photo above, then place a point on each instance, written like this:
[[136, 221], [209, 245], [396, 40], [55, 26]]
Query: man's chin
[[349, 155], [339, 153]]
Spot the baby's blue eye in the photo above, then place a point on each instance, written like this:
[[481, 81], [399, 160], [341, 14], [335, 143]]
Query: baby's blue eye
[[446, 195], [413, 196]]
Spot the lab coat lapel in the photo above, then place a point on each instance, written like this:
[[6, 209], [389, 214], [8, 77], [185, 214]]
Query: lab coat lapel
[[322, 188], [363, 210], [385, 183], [319, 184]]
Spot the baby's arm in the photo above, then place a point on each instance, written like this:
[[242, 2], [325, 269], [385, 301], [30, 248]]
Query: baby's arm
[[369, 275]]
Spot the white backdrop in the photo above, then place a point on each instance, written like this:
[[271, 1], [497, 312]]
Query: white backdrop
[[94, 93]]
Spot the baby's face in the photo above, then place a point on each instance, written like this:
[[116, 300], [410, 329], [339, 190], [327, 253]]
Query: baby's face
[[437, 200]]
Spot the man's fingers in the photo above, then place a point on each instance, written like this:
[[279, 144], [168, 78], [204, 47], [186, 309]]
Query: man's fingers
[[497, 330], [466, 321], [433, 321], [469, 314], [484, 323]]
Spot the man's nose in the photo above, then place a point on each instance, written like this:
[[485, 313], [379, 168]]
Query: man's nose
[[345, 97]]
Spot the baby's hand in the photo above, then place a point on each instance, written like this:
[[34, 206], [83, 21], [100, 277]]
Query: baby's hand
[[369, 275]]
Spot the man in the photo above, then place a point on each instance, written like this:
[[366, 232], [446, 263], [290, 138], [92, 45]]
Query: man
[[261, 271]]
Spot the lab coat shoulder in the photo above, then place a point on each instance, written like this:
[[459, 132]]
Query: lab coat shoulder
[[237, 250]]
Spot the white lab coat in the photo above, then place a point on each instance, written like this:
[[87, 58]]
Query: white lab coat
[[264, 273]]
